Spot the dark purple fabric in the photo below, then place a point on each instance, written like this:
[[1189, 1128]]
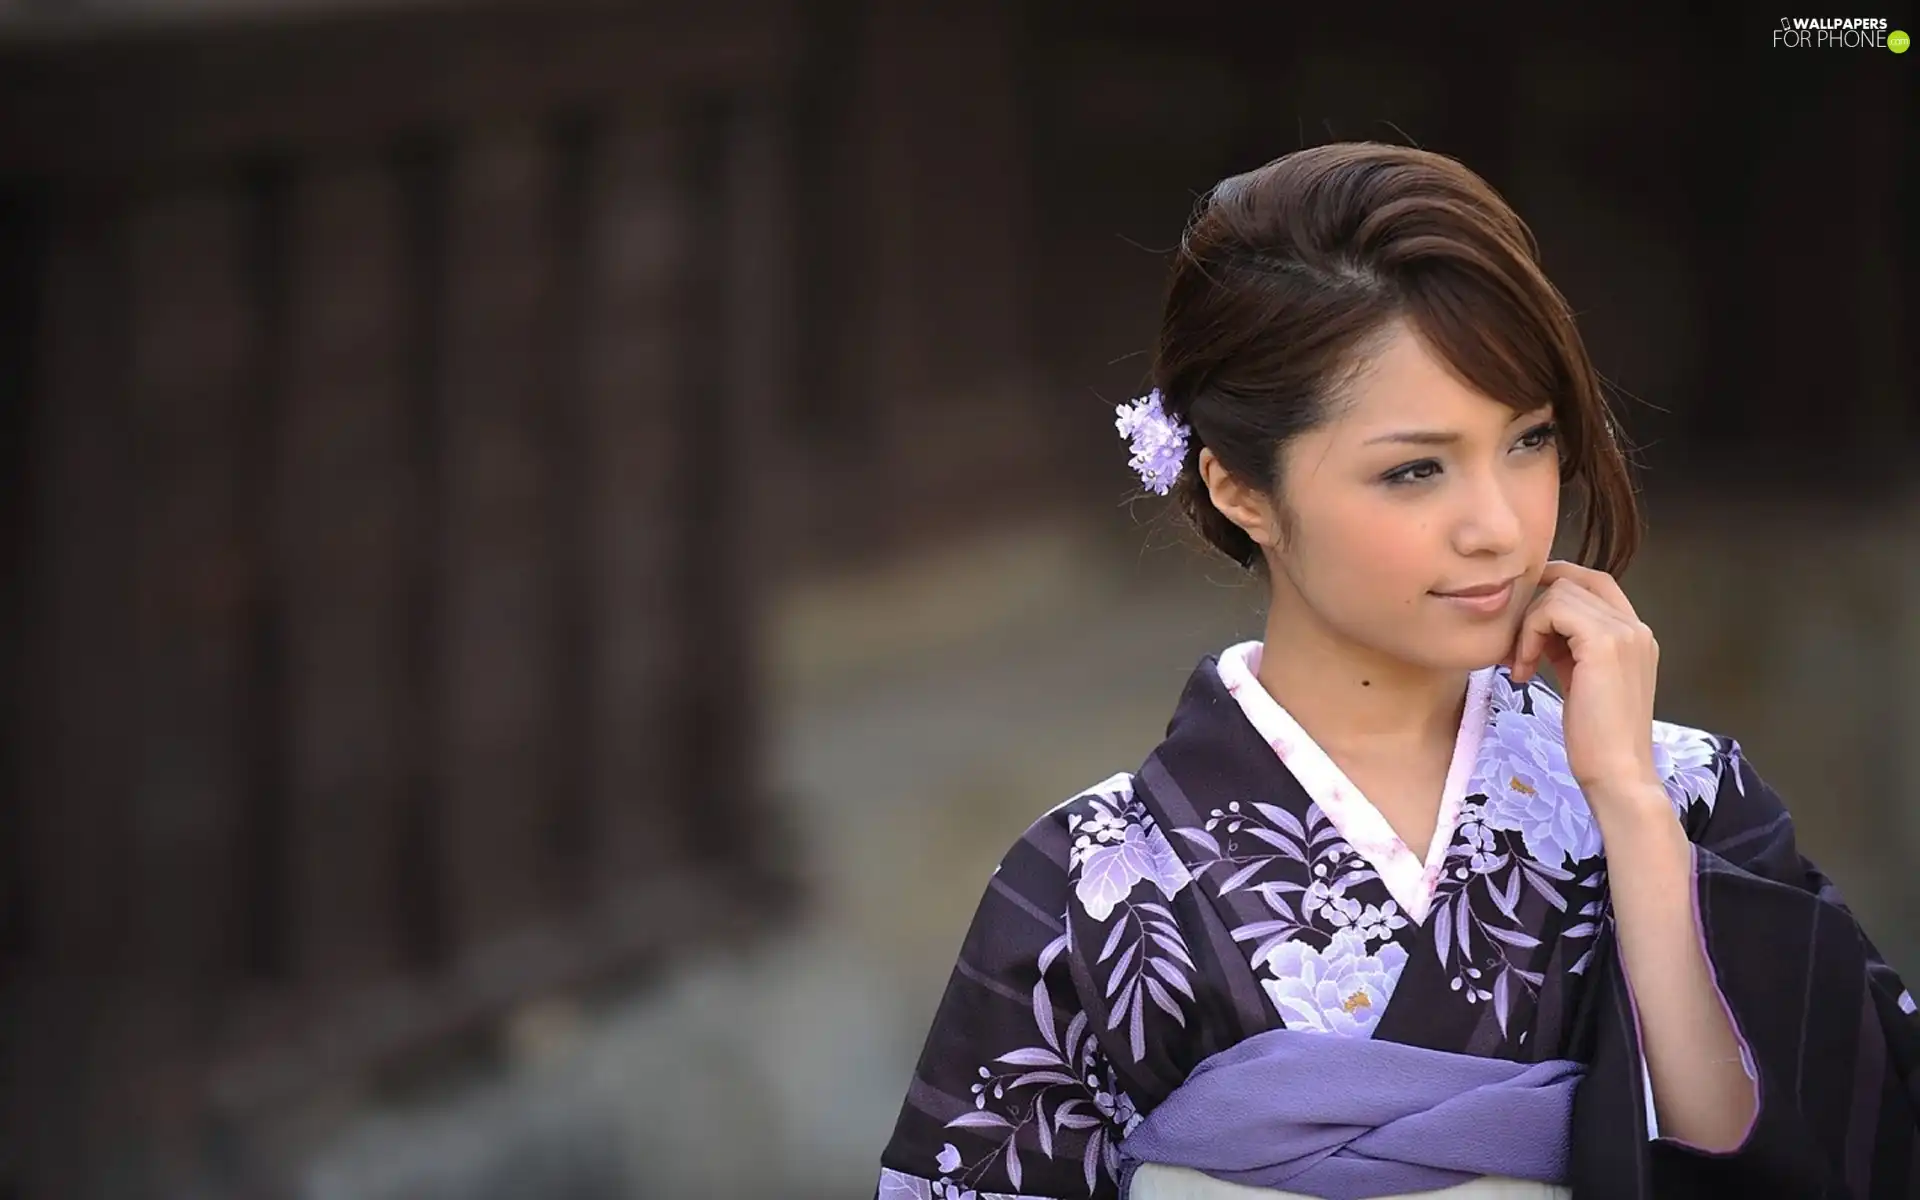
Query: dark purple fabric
[[1348, 1118], [1143, 928]]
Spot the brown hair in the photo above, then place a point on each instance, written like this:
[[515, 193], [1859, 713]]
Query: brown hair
[[1287, 279]]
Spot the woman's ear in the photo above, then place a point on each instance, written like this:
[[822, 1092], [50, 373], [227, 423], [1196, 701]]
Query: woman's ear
[[1243, 504]]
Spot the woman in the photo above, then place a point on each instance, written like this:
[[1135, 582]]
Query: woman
[[1384, 913]]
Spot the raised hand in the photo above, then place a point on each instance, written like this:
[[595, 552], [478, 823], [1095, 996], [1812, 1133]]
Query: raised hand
[[1607, 661]]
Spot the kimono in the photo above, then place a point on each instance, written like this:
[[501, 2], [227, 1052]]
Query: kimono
[[1238, 883]]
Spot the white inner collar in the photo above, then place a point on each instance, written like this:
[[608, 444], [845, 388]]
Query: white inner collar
[[1409, 878]]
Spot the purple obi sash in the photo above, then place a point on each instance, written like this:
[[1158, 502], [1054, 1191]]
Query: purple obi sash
[[1349, 1118]]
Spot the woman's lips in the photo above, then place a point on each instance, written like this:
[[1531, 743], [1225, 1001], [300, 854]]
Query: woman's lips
[[1484, 603]]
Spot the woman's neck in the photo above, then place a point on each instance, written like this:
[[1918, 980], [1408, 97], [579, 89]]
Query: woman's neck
[[1356, 701]]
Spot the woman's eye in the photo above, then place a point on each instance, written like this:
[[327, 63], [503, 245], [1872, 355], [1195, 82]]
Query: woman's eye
[[1425, 469], [1540, 435]]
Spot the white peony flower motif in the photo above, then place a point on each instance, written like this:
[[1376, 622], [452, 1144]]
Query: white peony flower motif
[[1530, 789], [1683, 757], [1341, 990], [1505, 696]]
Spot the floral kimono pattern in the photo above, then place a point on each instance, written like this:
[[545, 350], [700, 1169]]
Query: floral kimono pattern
[[1166, 914]]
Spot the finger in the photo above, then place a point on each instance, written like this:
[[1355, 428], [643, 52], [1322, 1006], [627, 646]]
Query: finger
[[1592, 629], [1584, 599], [1608, 621], [1536, 627], [1562, 616], [1558, 651], [1590, 618], [1511, 661], [1599, 583]]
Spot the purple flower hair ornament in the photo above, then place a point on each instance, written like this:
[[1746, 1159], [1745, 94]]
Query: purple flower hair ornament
[[1159, 443]]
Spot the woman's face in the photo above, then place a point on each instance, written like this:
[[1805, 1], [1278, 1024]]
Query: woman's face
[[1418, 487]]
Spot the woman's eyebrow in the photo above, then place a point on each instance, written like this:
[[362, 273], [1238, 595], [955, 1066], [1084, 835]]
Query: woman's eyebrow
[[1439, 437], [1417, 437]]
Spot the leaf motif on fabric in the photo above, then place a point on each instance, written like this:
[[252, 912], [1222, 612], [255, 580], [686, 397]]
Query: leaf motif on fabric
[[1242, 875], [1120, 968], [1173, 946], [1029, 1056], [1043, 1012], [895, 1185], [1501, 898], [1283, 820], [1200, 838], [1512, 937], [1165, 1001], [980, 1119], [1073, 1120], [1033, 1077], [1544, 888], [1168, 972], [1052, 952]]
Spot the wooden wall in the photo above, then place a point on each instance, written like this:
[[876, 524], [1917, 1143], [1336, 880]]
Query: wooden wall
[[387, 398]]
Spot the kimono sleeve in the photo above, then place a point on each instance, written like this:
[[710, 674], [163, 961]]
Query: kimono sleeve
[[1827, 1027], [1012, 1095]]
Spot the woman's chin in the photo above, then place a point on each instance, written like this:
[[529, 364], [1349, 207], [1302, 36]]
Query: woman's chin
[[1446, 649], [1471, 653]]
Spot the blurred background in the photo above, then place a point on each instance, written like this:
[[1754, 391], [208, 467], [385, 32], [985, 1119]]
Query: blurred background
[[551, 546]]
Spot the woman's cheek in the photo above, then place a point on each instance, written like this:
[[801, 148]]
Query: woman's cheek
[[1394, 561]]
